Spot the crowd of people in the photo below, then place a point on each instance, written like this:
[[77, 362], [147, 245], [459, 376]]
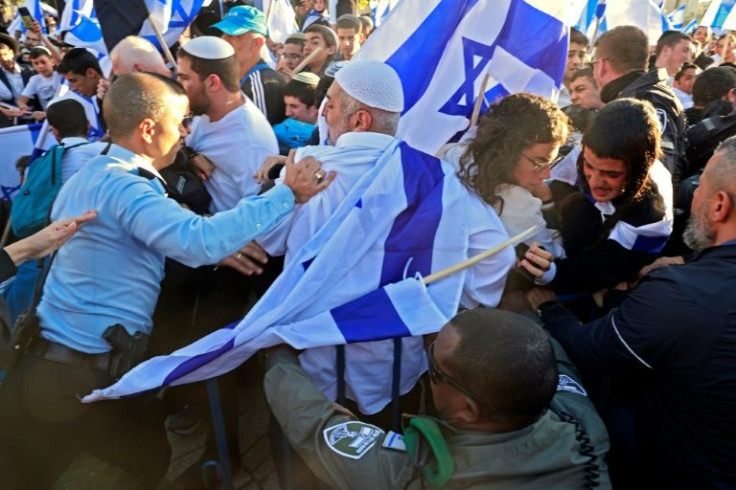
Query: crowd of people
[[597, 352]]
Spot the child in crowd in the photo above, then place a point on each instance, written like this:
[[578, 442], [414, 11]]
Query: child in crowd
[[43, 85]]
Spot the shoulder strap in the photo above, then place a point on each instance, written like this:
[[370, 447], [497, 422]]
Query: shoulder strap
[[441, 467]]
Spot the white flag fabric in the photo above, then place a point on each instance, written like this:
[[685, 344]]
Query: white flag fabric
[[717, 13], [403, 218], [676, 18], [442, 50], [281, 19]]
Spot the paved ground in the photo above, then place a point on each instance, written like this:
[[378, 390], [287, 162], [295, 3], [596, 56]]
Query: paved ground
[[256, 471]]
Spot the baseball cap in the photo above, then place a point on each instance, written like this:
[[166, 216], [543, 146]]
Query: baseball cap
[[242, 19]]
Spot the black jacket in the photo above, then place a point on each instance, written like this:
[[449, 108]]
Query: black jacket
[[265, 88], [671, 349], [652, 87]]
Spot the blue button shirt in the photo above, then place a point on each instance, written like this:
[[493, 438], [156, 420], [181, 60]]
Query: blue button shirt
[[110, 271]]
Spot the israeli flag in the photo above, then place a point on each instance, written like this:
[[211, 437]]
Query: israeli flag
[[690, 27], [442, 50], [356, 280], [718, 11], [173, 15], [676, 18], [18, 141], [380, 10]]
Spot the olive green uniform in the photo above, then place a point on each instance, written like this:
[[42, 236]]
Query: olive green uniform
[[565, 448]]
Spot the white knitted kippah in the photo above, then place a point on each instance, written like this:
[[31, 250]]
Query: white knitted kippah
[[373, 83], [306, 78], [209, 48]]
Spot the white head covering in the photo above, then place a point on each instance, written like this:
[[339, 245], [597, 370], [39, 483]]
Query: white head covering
[[306, 78], [209, 48], [373, 83]]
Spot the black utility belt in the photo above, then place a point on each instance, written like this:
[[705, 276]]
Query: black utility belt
[[52, 351]]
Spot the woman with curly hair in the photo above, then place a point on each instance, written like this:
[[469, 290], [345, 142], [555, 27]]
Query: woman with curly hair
[[508, 160]]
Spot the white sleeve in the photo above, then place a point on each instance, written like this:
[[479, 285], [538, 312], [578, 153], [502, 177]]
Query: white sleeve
[[31, 89], [485, 281]]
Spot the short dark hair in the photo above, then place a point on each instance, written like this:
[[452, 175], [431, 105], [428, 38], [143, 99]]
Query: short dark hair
[[227, 69], [327, 34], [506, 360], [685, 66], [78, 61], [625, 47], [67, 116], [585, 71], [39, 51], [307, 94], [578, 37], [134, 97], [713, 84], [627, 130], [671, 39], [348, 21]]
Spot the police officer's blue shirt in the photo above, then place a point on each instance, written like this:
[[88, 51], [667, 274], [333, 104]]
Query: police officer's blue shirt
[[111, 269]]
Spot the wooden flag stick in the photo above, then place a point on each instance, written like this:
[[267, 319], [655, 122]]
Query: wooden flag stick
[[479, 101], [481, 256], [308, 59], [162, 42]]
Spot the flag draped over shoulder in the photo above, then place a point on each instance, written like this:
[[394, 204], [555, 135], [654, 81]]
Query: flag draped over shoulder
[[404, 217], [442, 50]]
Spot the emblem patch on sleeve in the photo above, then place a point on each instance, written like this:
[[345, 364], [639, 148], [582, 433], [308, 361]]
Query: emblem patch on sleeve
[[566, 383], [351, 439]]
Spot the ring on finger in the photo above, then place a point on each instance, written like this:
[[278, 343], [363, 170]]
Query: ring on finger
[[320, 175], [237, 257]]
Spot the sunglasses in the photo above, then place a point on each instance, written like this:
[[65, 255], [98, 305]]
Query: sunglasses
[[437, 376]]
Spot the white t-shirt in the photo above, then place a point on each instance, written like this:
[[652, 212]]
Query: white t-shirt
[[237, 145], [44, 87]]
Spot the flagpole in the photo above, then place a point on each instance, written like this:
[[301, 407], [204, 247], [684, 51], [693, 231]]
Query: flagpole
[[308, 59], [479, 101], [601, 5], [448, 271], [162, 42]]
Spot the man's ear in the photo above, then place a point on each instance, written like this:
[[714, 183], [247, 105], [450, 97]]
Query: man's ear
[[363, 121], [91, 72], [212, 82], [147, 129], [720, 207], [55, 132]]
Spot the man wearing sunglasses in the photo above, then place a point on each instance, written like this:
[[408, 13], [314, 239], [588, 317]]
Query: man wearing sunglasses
[[510, 413]]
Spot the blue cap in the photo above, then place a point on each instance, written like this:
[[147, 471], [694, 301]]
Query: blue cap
[[242, 19]]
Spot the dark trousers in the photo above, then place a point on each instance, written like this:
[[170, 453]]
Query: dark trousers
[[43, 426]]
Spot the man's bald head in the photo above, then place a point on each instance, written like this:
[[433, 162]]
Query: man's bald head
[[135, 53], [135, 97]]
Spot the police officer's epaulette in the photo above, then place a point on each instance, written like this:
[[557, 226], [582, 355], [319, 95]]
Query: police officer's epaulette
[[151, 176]]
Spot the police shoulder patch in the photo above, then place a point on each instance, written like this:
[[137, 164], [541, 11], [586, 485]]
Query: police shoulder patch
[[351, 439], [566, 383]]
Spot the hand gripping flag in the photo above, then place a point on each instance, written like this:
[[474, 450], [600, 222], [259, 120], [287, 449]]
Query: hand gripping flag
[[403, 219], [442, 50]]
